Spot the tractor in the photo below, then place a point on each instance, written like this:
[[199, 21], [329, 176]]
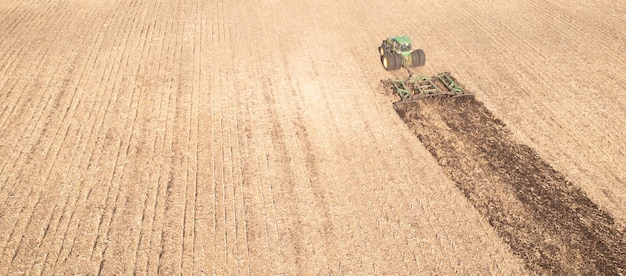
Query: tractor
[[395, 52]]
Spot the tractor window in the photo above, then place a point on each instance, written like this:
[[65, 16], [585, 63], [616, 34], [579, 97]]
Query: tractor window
[[405, 47]]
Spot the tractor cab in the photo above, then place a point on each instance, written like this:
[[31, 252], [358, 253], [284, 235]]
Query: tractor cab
[[405, 47], [402, 43]]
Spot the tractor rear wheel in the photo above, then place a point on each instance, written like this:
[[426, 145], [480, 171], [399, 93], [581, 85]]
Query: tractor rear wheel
[[389, 61], [418, 57], [399, 61]]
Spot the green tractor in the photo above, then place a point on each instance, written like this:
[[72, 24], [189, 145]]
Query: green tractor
[[396, 52]]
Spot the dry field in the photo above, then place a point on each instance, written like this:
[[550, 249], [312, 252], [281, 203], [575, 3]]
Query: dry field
[[254, 137]]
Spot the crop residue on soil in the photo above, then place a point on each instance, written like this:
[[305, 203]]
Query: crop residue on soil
[[546, 219]]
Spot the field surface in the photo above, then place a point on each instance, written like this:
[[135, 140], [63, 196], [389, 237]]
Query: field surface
[[238, 137]]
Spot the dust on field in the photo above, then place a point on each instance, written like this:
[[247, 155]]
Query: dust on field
[[546, 219]]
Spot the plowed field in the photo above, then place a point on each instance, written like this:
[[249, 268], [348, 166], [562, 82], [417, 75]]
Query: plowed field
[[545, 219], [238, 137]]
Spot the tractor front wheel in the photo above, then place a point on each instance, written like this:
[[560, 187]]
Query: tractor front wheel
[[381, 51], [389, 61], [418, 57]]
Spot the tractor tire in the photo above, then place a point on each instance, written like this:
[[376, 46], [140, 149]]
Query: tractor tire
[[381, 51], [419, 58], [399, 61], [389, 61]]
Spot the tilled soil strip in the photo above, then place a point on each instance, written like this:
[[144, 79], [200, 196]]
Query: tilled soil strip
[[546, 220]]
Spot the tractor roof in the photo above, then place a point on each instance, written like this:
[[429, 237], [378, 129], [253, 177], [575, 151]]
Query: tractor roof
[[402, 39]]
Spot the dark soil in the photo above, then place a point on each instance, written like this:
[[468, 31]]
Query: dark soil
[[546, 219]]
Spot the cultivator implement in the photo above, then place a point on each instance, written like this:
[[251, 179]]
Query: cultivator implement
[[416, 88]]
